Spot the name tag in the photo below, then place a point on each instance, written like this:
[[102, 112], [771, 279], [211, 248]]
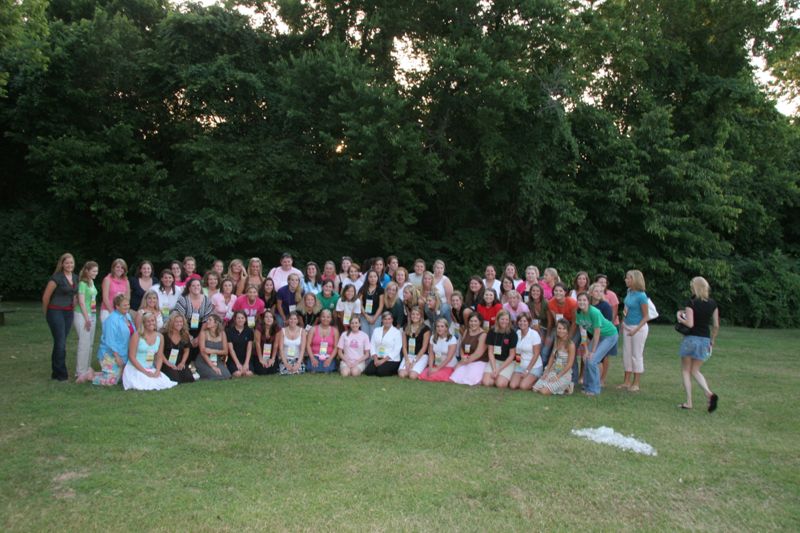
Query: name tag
[[229, 315], [535, 321], [194, 323], [292, 351], [347, 315], [308, 327], [164, 311], [382, 350], [368, 307], [526, 298], [173, 356], [485, 324], [412, 345], [93, 306], [266, 352], [323, 351], [498, 350], [149, 357], [438, 357], [292, 308], [213, 359], [251, 321], [559, 316], [467, 347]]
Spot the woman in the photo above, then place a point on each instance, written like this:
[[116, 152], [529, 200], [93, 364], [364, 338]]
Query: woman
[[196, 308], [321, 345], [211, 284], [415, 346], [604, 337], [224, 301], [142, 282], [176, 345], [116, 282], [510, 271], [501, 343], [252, 277], [213, 346], [328, 298], [113, 350], [549, 281], [342, 277], [401, 278], [240, 346], [393, 304], [475, 290], [506, 285], [219, 268], [634, 330], [145, 358], [441, 354], [371, 296], [469, 371], [380, 268], [266, 334], [419, 270], [353, 350], [250, 304], [579, 284], [149, 303], [537, 307], [291, 341], [701, 316], [385, 348], [348, 306], [309, 311], [434, 310], [392, 264], [610, 297], [177, 274], [489, 309], [312, 279], [354, 278], [411, 298], [459, 314], [514, 305], [442, 283], [428, 286], [235, 272], [557, 375], [190, 270], [531, 279], [529, 363], [329, 274], [596, 298], [58, 306], [168, 294], [289, 297], [85, 320], [561, 306], [490, 280], [269, 295]]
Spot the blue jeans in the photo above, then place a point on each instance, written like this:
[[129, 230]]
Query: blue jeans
[[60, 323], [324, 367], [591, 377]]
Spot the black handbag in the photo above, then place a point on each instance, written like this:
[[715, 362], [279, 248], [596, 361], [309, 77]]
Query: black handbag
[[682, 328]]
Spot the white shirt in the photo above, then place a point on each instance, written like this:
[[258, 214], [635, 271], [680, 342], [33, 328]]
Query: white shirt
[[525, 348], [496, 286], [389, 344], [440, 348], [280, 277], [167, 301]]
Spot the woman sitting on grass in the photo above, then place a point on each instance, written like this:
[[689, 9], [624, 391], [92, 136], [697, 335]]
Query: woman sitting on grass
[[291, 342], [240, 346], [385, 348], [415, 346], [353, 349], [441, 354], [145, 357], [321, 342], [557, 376], [266, 334], [469, 371], [113, 351], [175, 348], [502, 346], [213, 347], [529, 363]]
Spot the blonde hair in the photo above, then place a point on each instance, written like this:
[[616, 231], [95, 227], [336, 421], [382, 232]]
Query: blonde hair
[[119, 261], [298, 293], [143, 303], [145, 316], [230, 274], [553, 272], [396, 294], [497, 322], [168, 326], [84, 275], [700, 287], [638, 280], [60, 262], [446, 327]]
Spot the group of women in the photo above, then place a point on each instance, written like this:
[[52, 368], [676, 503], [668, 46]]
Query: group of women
[[525, 331]]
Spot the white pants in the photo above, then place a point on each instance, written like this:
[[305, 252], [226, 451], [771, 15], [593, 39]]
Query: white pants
[[85, 341], [633, 349]]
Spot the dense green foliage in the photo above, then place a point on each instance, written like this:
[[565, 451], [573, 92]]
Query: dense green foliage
[[582, 135]]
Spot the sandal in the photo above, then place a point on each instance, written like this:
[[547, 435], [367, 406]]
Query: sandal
[[633, 388], [623, 386], [684, 406], [712, 403]]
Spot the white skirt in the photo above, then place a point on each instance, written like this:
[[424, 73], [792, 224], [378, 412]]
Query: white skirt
[[133, 379], [418, 366]]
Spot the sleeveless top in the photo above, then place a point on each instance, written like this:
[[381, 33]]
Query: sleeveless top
[[439, 286], [470, 344], [146, 353], [561, 360], [317, 339], [415, 341], [214, 345], [291, 347], [117, 286]]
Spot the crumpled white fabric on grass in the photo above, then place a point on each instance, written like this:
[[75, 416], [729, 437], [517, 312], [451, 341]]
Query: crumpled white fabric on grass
[[606, 435]]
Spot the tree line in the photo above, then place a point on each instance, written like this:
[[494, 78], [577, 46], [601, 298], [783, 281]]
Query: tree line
[[584, 135]]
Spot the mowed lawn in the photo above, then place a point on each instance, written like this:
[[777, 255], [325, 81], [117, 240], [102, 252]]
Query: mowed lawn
[[320, 453]]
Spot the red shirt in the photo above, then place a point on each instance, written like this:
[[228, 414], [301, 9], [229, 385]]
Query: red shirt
[[568, 308], [489, 313]]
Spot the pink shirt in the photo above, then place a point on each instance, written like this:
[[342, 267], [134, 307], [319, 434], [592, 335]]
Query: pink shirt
[[521, 308], [281, 277], [117, 286], [222, 309], [317, 339], [353, 346], [613, 301], [251, 310]]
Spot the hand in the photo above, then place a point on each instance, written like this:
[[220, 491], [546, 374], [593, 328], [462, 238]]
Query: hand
[[217, 371], [270, 362], [195, 341], [180, 366], [88, 325], [495, 374], [314, 362], [155, 373]]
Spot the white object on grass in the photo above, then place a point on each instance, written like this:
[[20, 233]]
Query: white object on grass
[[606, 435]]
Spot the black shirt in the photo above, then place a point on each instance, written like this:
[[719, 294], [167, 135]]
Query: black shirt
[[239, 341], [703, 311], [506, 341]]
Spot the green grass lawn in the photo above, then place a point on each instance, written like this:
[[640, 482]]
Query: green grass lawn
[[327, 453]]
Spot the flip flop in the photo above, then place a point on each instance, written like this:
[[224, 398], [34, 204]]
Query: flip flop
[[684, 406], [712, 403]]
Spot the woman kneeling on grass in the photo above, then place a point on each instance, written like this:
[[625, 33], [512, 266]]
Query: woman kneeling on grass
[[529, 363], [145, 357], [441, 354], [557, 376], [385, 346], [353, 349], [469, 371], [321, 344], [502, 343], [240, 346], [213, 346], [266, 335], [701, 316], [175, 347], [415, 346], [291, 342], [113, 351]]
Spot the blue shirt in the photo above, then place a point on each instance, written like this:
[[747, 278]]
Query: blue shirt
[[633, 303], [115, 337]]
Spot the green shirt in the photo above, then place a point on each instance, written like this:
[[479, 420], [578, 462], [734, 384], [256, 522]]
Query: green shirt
[[594, 319], [328, 303], [89, 292]]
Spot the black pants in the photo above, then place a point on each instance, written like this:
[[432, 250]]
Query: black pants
[[179, 376], [258, 369], [389, 368]]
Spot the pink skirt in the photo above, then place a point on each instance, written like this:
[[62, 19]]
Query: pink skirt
[[442, 375], [471, 374]]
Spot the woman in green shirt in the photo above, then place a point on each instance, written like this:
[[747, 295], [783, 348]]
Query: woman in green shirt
[[604, 338], [85, 320]]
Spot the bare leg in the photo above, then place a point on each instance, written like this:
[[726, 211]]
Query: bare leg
[[635, 385], [402, 373], [701, 380], [686, 371], [606, 364], [344, 370], [413, 375], [502, 382], [528, 382], [516, 379], [488, 380]]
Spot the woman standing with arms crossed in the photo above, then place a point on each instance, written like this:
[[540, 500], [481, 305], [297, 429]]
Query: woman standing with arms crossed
[[634, 330], [85, 320], [58, 306], [701, 316], [116, 282]]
